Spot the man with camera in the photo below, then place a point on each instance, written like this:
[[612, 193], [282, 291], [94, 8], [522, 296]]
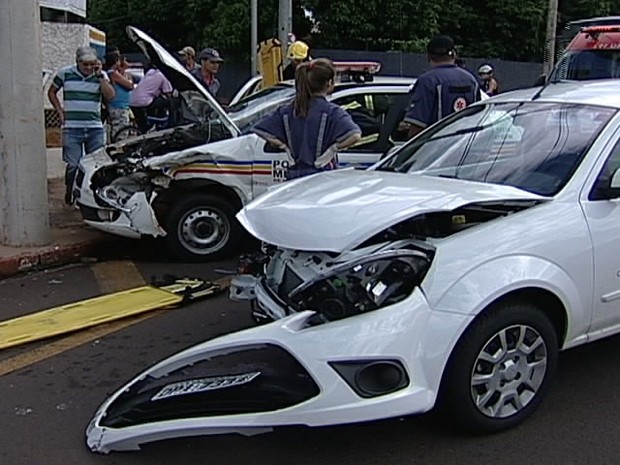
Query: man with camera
[[84, 85]]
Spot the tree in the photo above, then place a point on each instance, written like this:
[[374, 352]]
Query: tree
[[510, 30]]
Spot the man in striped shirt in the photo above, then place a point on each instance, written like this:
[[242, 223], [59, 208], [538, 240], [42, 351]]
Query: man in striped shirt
[[83, 84]]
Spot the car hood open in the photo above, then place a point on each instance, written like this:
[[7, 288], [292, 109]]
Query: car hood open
[[336, 211], [176, 73]]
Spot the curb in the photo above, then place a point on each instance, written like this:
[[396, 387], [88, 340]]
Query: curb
[[50, 256]]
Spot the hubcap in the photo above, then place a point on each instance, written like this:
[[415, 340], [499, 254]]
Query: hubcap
[[204, 231], [509, 371]]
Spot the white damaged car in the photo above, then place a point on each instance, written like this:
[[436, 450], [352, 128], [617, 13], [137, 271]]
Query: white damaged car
[[186, 183], [449, 275]]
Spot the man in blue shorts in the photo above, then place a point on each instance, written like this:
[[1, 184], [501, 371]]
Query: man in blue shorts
[[442, 90], [83, 84]]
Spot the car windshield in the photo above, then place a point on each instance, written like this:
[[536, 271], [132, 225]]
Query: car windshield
[[249, 110], [582, 65], [533, 146]]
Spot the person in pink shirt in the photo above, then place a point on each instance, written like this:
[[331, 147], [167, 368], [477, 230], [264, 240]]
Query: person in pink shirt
[[150, 97]]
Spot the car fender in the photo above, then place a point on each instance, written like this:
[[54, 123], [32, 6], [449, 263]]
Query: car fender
[[479, 287], [230, 163]]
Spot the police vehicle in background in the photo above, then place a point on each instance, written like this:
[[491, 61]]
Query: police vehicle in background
[[187, 182]]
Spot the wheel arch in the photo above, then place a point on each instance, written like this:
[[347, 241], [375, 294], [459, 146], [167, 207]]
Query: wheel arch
[[177, 189], [547, 285], [545, 300]]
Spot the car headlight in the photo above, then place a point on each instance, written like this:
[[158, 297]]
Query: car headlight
[[363, 285]]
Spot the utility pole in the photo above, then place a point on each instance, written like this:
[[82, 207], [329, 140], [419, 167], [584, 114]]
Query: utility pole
[[254, 34], [24, 211], [552, 21], [285, 24]]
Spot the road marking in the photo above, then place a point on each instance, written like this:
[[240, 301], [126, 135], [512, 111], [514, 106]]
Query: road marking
[[112, 277], [68, 342], [117, 276]]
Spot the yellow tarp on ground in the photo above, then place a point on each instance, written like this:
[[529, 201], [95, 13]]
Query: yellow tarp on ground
[[84, 314]]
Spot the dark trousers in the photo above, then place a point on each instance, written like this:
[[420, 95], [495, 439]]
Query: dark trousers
[[158, 107]]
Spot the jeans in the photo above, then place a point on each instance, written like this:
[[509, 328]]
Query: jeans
[[75, 143]]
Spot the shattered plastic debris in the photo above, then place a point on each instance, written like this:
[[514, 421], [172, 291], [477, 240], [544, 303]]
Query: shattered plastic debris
[[22, 411]]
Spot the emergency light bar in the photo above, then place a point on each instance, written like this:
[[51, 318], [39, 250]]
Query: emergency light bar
[[599, 29], [356, 71]]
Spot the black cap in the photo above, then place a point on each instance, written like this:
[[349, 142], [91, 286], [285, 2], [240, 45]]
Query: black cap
[[441, 45]]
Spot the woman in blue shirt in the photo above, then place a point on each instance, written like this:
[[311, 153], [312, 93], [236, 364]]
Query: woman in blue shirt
[[311, 130], [118, 108]]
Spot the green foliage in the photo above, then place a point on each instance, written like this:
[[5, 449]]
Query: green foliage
[[506, 29]]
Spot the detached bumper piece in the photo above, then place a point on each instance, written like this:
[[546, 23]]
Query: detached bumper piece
[[251, 379]]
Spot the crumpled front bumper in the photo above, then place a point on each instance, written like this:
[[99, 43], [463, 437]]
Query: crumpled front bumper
[[222, 386], [134, 219]]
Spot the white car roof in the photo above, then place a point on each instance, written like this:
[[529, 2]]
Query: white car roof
[[603, 92]]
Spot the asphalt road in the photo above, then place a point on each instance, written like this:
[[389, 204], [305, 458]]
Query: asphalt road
[[51, 388]]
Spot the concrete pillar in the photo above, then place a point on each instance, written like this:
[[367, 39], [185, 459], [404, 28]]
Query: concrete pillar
[[24, 211], [254, 36], [285, 25]]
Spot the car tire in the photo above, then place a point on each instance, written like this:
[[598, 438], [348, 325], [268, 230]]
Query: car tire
[[202, 227], [500, 369]]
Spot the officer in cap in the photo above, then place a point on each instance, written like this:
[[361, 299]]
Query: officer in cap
[[210, 61], [442, 90]]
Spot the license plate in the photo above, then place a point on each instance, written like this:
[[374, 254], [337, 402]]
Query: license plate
[[193, 386]]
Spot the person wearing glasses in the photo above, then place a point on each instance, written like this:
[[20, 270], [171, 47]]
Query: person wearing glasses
[[83, 85]]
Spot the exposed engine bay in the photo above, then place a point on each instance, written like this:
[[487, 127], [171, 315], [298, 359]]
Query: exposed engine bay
[[382, 271], [135, 168]]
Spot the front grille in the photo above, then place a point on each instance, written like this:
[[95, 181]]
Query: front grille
[[282, 383], [290, 281]]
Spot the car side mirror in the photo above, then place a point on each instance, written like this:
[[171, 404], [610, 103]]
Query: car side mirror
[[541, 81]]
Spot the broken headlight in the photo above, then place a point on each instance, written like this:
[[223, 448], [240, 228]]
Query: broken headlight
[[363, 285]]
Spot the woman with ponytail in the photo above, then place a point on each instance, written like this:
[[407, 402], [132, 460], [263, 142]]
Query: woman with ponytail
[[311, 130]]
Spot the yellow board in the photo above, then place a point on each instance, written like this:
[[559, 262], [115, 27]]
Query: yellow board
[[270, 62], [84, 314]]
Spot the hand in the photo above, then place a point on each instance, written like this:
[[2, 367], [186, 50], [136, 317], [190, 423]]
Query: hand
[[326, 157]]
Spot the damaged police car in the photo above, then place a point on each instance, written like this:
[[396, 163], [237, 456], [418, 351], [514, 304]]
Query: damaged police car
[[187, 182], [448, 275]]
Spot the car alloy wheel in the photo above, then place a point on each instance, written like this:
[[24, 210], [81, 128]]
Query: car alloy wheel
[[509, 371], [500, 369]]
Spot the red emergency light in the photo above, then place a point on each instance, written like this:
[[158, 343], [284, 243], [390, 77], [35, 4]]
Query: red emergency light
[[599, 29], [594, 38], [358, 71]]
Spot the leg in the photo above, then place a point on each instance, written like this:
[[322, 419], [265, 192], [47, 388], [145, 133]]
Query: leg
[[94, 140], [72, 143], [139, 114], [119, 118]]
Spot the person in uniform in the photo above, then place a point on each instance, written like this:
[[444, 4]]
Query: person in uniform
[[442, 90], [298, 52], [310, 130]]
